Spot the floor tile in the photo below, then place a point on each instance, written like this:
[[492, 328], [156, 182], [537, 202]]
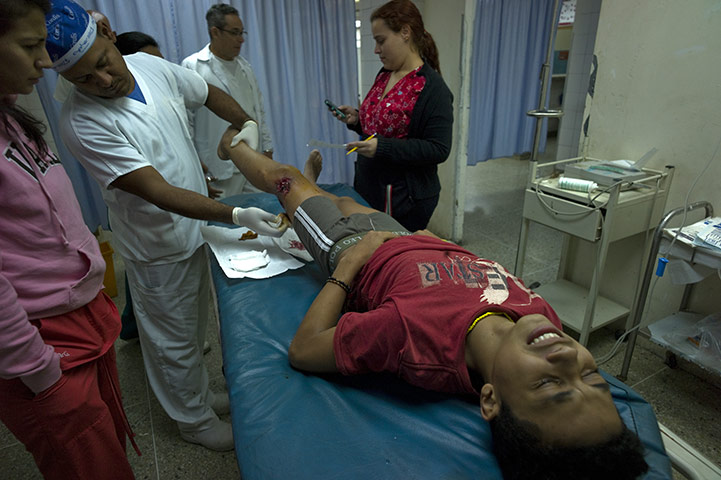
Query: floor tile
[[687, 406], [7, 439], [17, 463]]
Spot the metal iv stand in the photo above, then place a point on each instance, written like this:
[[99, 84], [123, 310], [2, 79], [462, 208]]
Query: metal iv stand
[[542, 112], [539, 114]]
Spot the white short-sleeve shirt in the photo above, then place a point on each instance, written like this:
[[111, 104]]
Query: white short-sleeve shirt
[[113, 137]]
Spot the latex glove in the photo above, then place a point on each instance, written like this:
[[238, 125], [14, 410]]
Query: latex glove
[[259, 221], [247, 134]]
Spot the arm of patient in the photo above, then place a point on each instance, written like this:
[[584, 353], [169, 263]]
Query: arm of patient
[[312, 347], [427, 233]]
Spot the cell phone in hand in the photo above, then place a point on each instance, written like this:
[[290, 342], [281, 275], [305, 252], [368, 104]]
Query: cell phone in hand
[[335, 108]]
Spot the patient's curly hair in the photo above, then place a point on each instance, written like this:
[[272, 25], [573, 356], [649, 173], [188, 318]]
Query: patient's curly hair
[[522, 455]]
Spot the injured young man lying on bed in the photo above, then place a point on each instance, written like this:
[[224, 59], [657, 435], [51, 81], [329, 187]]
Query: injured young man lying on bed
[[441, 318]]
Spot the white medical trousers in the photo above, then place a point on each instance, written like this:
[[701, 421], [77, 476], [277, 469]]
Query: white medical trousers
[[171, 308]]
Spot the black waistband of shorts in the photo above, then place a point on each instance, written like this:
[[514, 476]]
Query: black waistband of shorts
[[344, 243]]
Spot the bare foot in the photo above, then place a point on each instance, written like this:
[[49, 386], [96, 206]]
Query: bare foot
[[313, 166]]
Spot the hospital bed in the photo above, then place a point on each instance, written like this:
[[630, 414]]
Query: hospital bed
[[288, 424]]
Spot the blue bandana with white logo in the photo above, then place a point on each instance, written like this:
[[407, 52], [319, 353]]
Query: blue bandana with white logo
[[71, 33]]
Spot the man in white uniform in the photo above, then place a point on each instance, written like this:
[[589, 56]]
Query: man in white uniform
[[220, 64], [126, 122]]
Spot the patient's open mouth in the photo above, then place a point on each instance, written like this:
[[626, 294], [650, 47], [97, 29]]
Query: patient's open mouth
[[543, 337], [543, 334]]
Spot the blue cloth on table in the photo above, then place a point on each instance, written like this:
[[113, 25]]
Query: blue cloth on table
[[288, 424]]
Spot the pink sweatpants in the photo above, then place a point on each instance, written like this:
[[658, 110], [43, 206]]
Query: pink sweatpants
[[74, 429]]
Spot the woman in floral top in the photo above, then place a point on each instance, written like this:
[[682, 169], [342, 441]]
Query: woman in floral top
[[409, 108]]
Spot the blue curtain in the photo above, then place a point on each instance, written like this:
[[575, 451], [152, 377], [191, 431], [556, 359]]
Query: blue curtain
[[509, 48], [301, 52]]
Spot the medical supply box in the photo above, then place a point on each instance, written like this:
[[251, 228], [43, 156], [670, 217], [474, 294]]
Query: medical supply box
[[603, 173]]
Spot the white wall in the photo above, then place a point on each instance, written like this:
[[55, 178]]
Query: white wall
[[448, 23], [31, 103], [369, 60], [580, 59], [658, 85]]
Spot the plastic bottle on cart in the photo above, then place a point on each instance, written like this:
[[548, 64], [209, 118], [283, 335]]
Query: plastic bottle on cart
[[576, 184]]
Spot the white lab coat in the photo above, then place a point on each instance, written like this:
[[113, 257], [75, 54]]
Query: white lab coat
[[207, 127], [113, 137]]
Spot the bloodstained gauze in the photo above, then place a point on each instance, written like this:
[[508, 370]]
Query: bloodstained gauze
[[282, 186], [297, 245]]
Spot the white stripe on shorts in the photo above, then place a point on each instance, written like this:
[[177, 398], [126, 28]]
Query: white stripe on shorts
[[323, 242]]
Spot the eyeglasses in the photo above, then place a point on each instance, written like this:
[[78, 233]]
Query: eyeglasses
[[235, 33]]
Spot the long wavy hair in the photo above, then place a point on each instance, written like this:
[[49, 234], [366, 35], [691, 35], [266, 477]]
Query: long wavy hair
[[10, 11], [397, 13]]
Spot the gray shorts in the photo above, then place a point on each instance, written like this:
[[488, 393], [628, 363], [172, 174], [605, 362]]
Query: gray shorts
[[326, 233]]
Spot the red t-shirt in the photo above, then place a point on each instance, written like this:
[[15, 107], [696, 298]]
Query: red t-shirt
[[412, 305], [390, 116]]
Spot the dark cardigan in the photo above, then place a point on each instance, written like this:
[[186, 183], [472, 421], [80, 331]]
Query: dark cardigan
[[412, 160]]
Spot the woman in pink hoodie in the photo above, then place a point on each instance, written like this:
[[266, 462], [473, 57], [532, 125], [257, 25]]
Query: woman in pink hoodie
[[59, 391]]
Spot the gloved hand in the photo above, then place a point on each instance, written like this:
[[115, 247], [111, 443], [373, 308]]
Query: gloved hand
[[259, 221], [247, 134]]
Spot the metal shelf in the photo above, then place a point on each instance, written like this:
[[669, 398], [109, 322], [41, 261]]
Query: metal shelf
[[680, 250], [569, 300], [679, 321], [618, 213]]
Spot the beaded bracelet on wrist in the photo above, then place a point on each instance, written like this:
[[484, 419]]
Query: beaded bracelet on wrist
[[340, 283]]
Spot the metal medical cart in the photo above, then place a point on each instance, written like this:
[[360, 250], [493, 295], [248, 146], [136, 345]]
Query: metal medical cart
[[619, 211]]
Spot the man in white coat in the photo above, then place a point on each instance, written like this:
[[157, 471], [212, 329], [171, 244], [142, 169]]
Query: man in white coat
[[126, 123], [221, 65]]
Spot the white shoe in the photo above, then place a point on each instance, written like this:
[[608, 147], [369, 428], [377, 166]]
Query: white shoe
[[206, 347], [219, 437], [220, 403]]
